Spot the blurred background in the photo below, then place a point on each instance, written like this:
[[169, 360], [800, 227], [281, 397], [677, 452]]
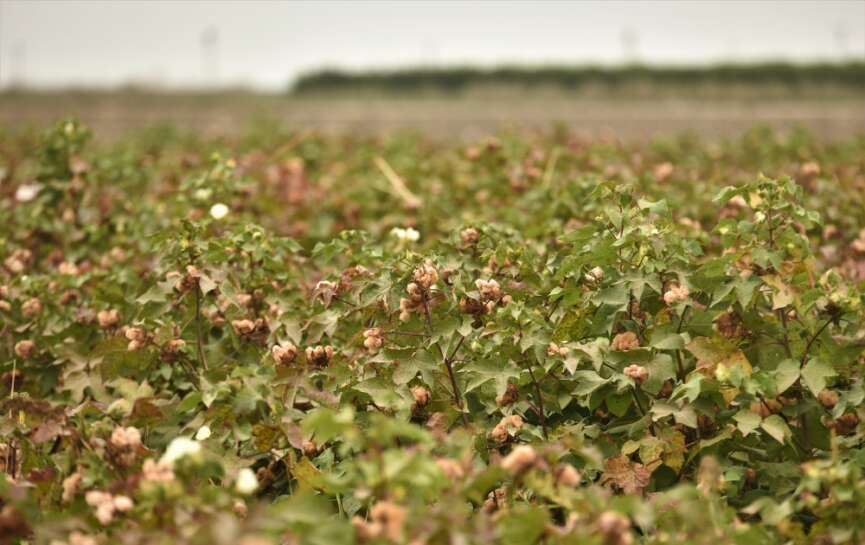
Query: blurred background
[[453, 69]]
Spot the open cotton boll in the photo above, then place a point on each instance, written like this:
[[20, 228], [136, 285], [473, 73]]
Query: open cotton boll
[[202, 433], [218, 211], [27, 192], [179, 448], [410, 235], [246, 482]]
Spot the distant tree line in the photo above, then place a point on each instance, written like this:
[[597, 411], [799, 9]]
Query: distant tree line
[[457, 79]]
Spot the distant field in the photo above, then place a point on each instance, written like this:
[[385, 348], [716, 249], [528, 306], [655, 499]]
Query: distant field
[[112, 114]]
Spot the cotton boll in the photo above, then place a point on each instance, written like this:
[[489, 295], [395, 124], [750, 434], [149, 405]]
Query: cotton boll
[[179, 448], [246, 482], [202, 433], [218, 211], [27, 192]]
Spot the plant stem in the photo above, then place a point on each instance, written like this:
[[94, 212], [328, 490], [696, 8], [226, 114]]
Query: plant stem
[[814, 338], [541, 414], [447, 361], [199, 340]]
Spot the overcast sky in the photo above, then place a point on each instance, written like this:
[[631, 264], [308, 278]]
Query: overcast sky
[[265, 44]]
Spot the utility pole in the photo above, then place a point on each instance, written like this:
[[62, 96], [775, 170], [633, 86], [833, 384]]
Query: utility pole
[[629, 45], [210, 56]]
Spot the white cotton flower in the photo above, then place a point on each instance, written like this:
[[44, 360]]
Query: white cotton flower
[[27, 192], [410, 235], [218, 211], [202, 433], [246, 482], [179, 448]]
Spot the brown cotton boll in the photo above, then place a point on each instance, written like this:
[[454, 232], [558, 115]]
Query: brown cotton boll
[[615, 528], [67, 268], [827, 398], [284, 354], [566, 475], [473, 153], [625, 341], [676, 294], [365, 531], [469, 236], [499, 433], [135, 333], [495, 500], [489, 289], [520, 460], [452, 469], [437, 422], [421, 396], [126, 438], [662, 171], [25, 349], [31, 307], [239, 508], [70, 486], [108, 318], [319, 356], [391, 518], [766, 407], [729, 325], [845, 424], [426, 275], [471, 306], [373, 340], [666, 389], [809, 170], [514, 420], [509, 396], [637, 373], [244, 326], [69, 297], [309, 448]]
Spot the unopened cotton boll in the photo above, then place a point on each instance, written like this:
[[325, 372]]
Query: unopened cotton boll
[[218, 211], [246, 482]]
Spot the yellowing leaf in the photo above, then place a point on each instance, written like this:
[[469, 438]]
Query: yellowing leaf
[[629, 477]]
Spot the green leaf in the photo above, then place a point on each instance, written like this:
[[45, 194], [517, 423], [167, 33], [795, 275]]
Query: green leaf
[[815, 373], [786, 374], [747, 421], [523, 526], [587, 382], [669, 341], [775, 426]]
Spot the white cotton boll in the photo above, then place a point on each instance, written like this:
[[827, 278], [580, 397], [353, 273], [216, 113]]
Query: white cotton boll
[[246, 482], [218, 211], [179, 448], [410, 235], [27, 192], [203, 433]]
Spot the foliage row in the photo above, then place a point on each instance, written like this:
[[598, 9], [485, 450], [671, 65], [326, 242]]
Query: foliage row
[[847, 75], [534, 339]]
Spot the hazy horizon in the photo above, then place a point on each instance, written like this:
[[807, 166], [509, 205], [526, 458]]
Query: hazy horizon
[[264, 45]]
